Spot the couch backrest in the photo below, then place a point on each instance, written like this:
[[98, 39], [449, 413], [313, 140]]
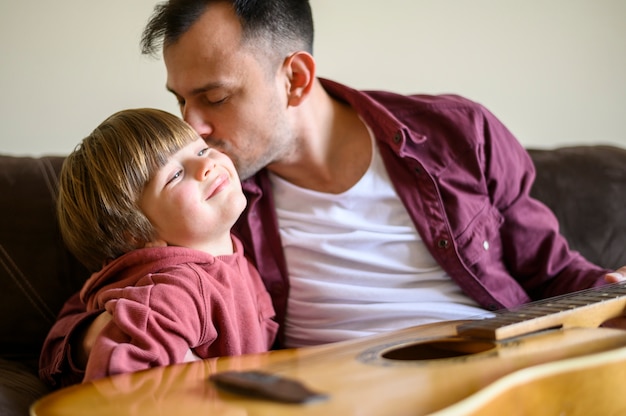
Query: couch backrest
[[585, 186], [37, 273]]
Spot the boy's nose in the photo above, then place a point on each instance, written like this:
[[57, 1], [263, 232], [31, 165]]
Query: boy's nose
[[205, 168]]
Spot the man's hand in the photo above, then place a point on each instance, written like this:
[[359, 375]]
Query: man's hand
[[87, 339], [617, 276]]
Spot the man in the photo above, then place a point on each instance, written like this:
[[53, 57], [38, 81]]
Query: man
[[367, 212]]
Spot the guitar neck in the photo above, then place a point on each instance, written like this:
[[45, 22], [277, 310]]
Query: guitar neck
[[587, 308]]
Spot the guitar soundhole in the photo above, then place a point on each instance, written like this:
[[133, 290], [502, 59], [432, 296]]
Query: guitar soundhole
[[431, 350]]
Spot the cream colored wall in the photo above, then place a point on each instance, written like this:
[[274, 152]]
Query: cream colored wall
[[553, 71]]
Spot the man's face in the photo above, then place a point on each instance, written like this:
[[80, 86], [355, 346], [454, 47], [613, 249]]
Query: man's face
[[235, 102]]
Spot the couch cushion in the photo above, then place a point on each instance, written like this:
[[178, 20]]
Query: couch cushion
[[585, 186], [19, 388], [36, 271]]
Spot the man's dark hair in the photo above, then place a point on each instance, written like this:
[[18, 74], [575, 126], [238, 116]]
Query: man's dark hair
[[284, 23]]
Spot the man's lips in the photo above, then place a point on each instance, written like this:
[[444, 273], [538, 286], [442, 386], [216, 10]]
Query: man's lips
[[220, 183]]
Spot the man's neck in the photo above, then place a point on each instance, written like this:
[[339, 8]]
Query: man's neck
[[333, 149]]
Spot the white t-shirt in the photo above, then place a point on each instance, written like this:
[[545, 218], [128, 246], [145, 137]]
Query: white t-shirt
[[357, 265]]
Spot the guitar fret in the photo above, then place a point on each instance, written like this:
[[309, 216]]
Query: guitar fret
[[573, 303], [547, 310]]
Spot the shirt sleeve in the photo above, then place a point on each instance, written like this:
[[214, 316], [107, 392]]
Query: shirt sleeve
[[533, 248], [153, 324], [56, 367]]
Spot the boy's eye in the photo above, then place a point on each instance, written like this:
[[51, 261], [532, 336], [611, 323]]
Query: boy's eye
[[175, 176], [203, 151]]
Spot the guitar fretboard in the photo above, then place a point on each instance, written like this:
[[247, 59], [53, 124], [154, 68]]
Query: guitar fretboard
[[587, 308]]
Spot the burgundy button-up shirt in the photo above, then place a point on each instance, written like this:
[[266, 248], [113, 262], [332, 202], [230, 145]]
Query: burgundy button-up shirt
[[465, 181]]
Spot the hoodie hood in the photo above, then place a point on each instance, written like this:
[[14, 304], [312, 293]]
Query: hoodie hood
[[129, 268]]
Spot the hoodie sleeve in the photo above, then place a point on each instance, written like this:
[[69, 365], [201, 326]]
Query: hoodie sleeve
[[154, 323]]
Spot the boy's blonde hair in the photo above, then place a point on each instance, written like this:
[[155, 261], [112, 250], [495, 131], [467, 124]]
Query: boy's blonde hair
[[103, 178]]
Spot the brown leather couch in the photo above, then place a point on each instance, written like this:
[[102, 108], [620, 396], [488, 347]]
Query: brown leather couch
[[584, 185]]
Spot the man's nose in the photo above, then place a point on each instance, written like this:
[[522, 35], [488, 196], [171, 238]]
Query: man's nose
[[197, 121]]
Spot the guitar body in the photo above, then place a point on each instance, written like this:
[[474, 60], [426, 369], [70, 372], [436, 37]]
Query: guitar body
[[582, 386], [416, 371]]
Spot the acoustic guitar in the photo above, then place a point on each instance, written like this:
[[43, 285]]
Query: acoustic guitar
[[548, 357]]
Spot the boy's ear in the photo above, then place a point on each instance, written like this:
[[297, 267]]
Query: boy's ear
[[300, 70]]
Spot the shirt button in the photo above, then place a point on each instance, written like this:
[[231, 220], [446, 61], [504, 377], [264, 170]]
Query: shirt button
[[486, 245], [397, 138], [443, 243]]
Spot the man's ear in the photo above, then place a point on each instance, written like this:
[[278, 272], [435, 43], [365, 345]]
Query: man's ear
[[300, 69]]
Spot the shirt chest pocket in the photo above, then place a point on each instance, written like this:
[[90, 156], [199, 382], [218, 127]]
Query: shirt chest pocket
[[481, 239]]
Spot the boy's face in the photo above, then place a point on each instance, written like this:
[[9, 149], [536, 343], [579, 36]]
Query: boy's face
[[194, 200]]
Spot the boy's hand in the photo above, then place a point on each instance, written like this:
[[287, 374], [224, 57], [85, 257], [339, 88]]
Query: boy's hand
[[87, 339]]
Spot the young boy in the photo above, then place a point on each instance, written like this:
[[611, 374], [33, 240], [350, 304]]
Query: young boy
[[148, 204]]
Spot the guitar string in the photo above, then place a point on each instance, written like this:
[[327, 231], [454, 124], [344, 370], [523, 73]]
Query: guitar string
[[557, 304]]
